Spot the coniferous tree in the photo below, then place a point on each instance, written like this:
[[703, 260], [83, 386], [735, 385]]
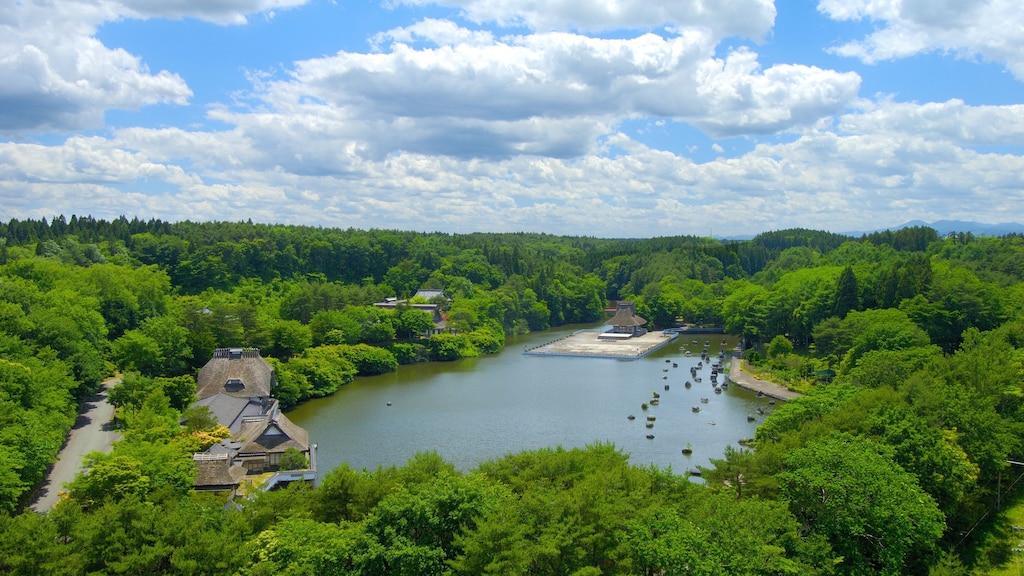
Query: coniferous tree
[[846, 293]]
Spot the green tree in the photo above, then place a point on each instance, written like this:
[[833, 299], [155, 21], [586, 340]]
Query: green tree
[[293, 459], [108, 477], [290, 337], [779, 347], [847, 295], [412, 322], [873, 513]]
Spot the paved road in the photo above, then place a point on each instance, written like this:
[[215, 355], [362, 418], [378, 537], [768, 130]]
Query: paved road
[[751, 382], [93, 432]]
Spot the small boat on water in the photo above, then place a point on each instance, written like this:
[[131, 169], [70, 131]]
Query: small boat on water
[[666, 386], [750, 417], [687, 451], [650, 436], [630, 417], [650, 424], [687, 384], [695, 408], [703, 400], [694, 472]]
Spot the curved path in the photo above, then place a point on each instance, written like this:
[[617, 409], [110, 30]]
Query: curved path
[[93, 432], [751, 382]]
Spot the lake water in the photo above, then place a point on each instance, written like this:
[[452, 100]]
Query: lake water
[[479, 409]]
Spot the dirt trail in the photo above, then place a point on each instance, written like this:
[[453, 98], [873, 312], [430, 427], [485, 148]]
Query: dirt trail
[[93, 432], [751, 382]]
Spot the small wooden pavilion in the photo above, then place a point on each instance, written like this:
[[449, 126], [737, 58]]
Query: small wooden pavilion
[[625, 323]]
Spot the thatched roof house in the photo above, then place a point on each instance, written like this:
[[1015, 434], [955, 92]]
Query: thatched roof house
[[626, 321], [238, 372], [235, 385]]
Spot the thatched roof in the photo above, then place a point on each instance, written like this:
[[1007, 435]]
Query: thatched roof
[[216, 472], [238, 372], [273, 433], [625, 315]]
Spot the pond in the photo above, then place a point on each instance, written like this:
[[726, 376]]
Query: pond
[[478, 409]]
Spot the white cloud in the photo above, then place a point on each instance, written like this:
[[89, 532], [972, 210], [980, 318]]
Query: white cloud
[[990, 29], [54, 75], [217, 11], [749, 18], [878, 173], [952, 121], [466, 93]]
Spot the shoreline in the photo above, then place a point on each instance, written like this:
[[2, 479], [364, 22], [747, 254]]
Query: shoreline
[[751, 382]]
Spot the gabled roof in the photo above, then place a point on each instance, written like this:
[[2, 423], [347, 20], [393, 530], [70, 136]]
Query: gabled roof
[[230, 410], [215, 471], [427, 294], [238, 372], [273, 432], [625, 315]]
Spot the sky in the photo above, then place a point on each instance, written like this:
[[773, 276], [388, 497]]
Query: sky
[[605, 118]]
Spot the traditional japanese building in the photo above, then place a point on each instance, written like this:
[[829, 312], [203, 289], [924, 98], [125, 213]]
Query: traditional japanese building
[[625, 323], [236, 385]]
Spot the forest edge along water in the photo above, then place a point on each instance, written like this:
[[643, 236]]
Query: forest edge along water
[[479, 409]]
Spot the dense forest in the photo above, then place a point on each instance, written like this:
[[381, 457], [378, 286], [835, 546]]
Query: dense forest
[[901, 457]]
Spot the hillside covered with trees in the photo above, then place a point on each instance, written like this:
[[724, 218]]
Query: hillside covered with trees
[[899, 458]]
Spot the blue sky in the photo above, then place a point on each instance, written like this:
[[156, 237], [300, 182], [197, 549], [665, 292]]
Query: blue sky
[[612, 118]]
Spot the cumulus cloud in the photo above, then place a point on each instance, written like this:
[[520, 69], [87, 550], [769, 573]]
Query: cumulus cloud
[[55, 75], [438, 88], [875, 171], [748, 18], [990, 29], [952, 121]]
